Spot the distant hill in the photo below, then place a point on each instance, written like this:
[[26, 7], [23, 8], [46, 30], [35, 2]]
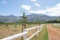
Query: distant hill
[[10, 18], [32, 17], [41, 17]]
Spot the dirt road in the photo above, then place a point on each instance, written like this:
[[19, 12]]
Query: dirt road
[[53, 33]]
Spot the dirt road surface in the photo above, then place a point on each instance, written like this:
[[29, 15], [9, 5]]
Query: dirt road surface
[[53, 33]]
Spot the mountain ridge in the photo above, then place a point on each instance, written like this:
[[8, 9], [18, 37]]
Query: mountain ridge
[[31, 17]]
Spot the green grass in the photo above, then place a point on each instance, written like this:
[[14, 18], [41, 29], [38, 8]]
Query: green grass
[[43, 35], [56, 25]]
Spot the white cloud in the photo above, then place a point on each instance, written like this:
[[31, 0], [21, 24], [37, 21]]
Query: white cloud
[[54, 11], [36, 4], [26, 7], [33, 0], [38, 11], [4, 2]]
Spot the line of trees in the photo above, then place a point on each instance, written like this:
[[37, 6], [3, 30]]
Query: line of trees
[[53, 21]]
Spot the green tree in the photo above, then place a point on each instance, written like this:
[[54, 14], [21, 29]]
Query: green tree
[[24, 20]]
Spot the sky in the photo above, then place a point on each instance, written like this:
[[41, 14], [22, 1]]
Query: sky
[[17, 7]]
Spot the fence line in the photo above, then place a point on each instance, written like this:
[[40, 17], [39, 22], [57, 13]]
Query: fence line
[[39, 28], [14, 36], [33, 35]]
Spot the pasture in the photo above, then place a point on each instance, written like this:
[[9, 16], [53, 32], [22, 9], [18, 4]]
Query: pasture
[[9, 30]]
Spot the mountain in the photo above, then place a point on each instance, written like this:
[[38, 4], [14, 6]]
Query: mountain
[[10, 18], [41, 17], [32, 17]]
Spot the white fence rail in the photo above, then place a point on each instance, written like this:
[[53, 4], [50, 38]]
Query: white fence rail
[[39, 28]]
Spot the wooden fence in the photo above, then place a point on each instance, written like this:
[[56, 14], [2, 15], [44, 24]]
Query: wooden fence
[[24, 34]]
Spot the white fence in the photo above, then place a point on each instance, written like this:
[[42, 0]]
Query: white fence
[[39, 28]]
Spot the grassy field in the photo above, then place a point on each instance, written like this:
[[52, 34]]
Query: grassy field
[[57, 25], [9, 30], [43, 35]]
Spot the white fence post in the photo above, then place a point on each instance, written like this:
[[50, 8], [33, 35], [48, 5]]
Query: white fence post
[[37, 30], [25, 36]]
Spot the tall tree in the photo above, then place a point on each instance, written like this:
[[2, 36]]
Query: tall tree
[[24, 19]]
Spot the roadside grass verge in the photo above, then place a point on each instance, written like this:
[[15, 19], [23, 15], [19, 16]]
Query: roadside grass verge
[[56, 25], [43, 35]]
